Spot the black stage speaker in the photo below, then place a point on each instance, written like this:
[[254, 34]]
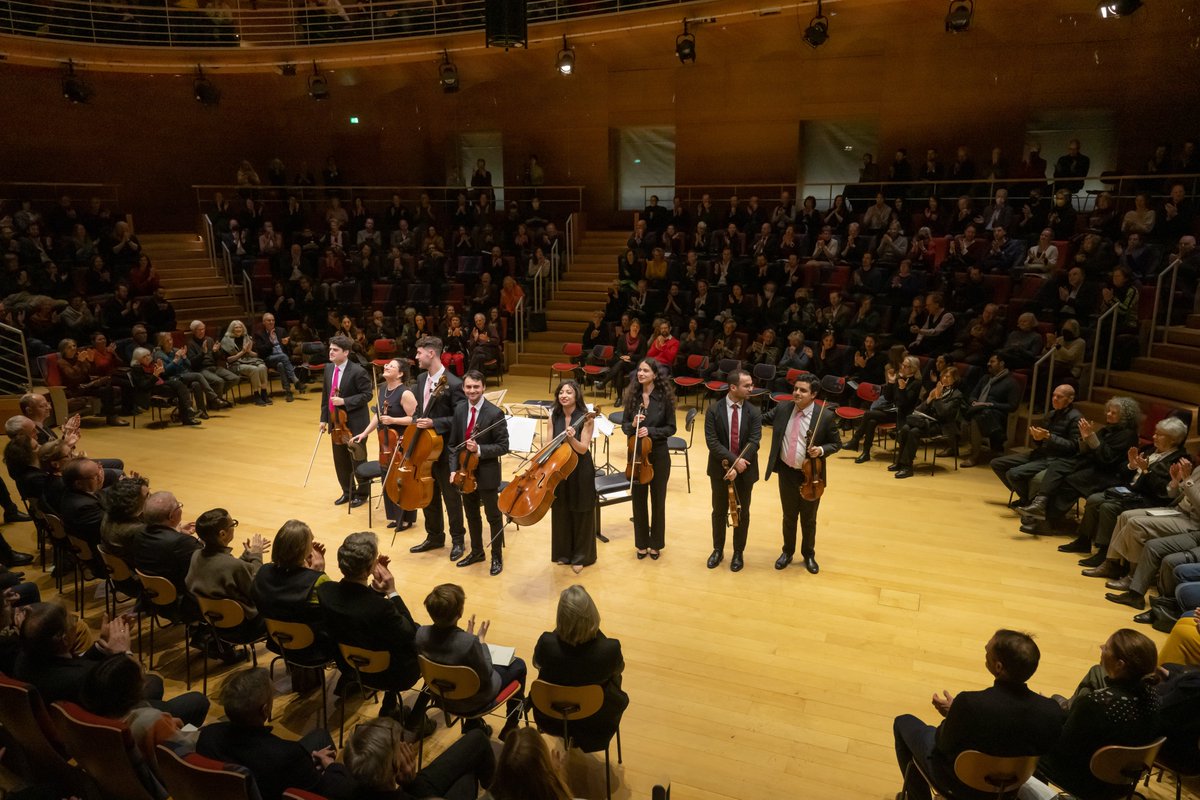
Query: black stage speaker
[[506, 24]]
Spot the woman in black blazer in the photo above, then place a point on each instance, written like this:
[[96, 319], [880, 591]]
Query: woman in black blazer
[[650, 393], [576, 653]]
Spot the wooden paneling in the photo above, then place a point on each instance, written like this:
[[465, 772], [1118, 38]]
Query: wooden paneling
[[736, 111]]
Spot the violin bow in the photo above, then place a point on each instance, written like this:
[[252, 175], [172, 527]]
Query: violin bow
[[308, 474]]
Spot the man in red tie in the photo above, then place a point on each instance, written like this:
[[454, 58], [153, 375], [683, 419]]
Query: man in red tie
[[347, 387], [802, 431], [732, 431], [480, 429]]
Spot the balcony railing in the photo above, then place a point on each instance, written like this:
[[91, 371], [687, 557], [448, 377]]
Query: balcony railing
[[268, 23]]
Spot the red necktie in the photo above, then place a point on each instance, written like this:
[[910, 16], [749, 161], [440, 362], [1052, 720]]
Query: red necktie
[[333, 387], [471, 423], [733, 431]]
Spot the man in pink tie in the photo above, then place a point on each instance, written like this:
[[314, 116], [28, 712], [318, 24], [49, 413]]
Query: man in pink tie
[[732, 431], [347, 387], [479, 428], [802, 431]]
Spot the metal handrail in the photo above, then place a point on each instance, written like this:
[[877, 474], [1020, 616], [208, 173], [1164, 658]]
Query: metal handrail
[[248, 291], [1110, 314], [572, 228], [210, 240], [1050, 355], [227, 259], [275, 23], [539, 288], [519, 324], [1172, 269], [19, 368]]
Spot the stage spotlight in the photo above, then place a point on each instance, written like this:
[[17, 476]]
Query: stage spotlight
[[817, 32], [1111, 9], [75, 88], [566, 59], [448, 74], [318, 85], [958, 18], [204, 91], [685, 45]]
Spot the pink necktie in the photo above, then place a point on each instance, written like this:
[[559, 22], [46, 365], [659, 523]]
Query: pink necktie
[[333, 387]]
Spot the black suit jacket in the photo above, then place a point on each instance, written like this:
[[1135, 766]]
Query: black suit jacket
[[357, 615], [441, 410], [277, 764], [596, 662], [162, 550], [82, 514], [492, 443], [262, 342], [716, 436], [58, 677], [824, 436], [356, 389], [1002, 396]]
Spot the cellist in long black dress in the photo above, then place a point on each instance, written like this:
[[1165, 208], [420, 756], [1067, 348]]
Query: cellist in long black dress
[[394, 407], [573, 515]]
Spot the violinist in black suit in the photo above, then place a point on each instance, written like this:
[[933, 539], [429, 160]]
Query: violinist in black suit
[[479, 428], [802, 431], [732, 431], [649, 404], [437, 414], [347, 388]]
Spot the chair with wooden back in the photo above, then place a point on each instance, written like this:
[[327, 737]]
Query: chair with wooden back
[[364, 662], [225, 618], [569, 704], [83, 555], [39, 754], [293, 638], [105, 749], [999, 776], [448, 686], [119, 580], [162, 601], [1125, 766], [194, 777]]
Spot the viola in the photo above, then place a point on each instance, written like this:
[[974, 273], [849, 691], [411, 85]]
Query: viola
[[638, 468], [409, 481], [389, 439], [339, 423], [813, 469], [735, 505], [468, 463], [528, 496]]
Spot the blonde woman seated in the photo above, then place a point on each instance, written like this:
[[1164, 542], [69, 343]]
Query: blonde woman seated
[[240, 357], [576, 653], [385, 766]]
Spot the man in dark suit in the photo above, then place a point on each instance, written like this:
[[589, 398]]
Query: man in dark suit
[[82, 507], [166, 546], [269, 345], [276, 764], [732, 431], [348, 387], [992, 401], [1058, 439], [364, 610], [437, 413], [479, 427], [1007, 719], [802, 431]]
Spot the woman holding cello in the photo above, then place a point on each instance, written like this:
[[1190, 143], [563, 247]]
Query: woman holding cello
[[573, 515], [649, 416], [394, 411]]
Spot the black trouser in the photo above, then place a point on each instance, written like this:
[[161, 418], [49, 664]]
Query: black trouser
[[870, 421], [459, 771], [992, 425], [443, 490], [489, 499], [395, 513], [650, 503], [720, 514], [796, 507], [177, 390], [347, 471]]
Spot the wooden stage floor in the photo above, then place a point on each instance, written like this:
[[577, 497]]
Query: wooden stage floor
[[757, 685]]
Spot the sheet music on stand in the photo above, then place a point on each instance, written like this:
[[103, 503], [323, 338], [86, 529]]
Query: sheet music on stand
[[604, 426], [602, 431], [521, 431]]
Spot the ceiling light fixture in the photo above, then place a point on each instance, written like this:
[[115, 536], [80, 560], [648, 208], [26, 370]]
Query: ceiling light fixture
[[75, 88], [1112, 9], [817, 32], [318, 85], [685, 45], [566, 58], [203, 90], [448, 74], [958, 18]]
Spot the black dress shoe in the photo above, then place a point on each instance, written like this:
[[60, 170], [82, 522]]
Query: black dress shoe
[[641, 554], [1035, 509], [497, 565], [736, 563], [1080, 544], [392, 524], [907, 472], [16, 516], [1166, 604], [851, 446], [1131, 599], [1107, 569], [715, 559], [1030, 528], [894, 468], [404, 525], [456, 552], [654, 554], [341, 501], [811, 565], [1093, 560], [1144, 618], [357, 501], [426, 546], [783, 560], [472, 558], [19, 560], [863, 457]]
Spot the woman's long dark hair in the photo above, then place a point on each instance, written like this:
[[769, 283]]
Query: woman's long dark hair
[[579, 404], [662, 386]]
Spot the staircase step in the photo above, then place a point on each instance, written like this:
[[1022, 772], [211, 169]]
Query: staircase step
[[572, 283], [1193, 321], [1167, 368], [204, 290], [1180, 353], [570, 305], [1182, 391], [1183, 335]]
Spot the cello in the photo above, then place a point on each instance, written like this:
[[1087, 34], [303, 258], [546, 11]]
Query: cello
[[528, 496], [409, 480], [813, 469]]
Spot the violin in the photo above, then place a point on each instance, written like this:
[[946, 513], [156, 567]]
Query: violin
[[813, 469], [735, 505], [389, 439], [468, 462], [638, 468], [528, 496], [409, 480], [339, 422]]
